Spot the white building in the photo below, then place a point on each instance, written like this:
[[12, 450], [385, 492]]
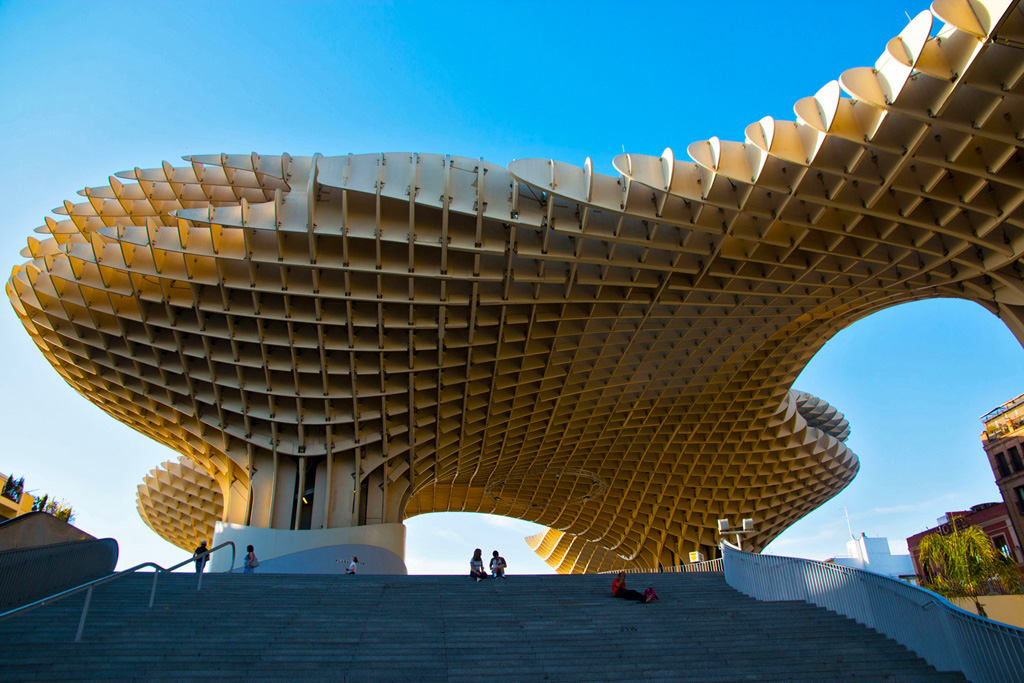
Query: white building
[[872, 554]]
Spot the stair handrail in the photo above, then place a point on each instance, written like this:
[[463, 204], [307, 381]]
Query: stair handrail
[[944, 635], [88, 586]]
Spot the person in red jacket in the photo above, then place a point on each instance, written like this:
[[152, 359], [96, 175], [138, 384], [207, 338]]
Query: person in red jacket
[[619, 590]]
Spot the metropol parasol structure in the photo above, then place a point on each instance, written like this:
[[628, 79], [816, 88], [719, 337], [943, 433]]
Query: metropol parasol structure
[[335, 344]]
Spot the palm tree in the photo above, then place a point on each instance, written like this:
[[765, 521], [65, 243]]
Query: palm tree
[[965, 564]]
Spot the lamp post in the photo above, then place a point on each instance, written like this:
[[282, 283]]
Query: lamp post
[[746, 529]]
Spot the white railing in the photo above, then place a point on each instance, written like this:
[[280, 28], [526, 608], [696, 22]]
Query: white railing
[[705, 566], [945, 636]]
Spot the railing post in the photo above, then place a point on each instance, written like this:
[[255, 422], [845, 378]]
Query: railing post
[[152, 592], [85, 612], [199, 584]]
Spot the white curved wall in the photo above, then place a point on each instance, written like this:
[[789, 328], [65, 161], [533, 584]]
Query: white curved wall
[[379, 547]]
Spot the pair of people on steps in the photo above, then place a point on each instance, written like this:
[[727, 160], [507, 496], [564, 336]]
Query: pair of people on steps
[[619, 590], [476, 566]]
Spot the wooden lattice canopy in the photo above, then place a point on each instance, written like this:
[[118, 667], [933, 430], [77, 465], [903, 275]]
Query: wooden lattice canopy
[[181, 503], [359, 339]]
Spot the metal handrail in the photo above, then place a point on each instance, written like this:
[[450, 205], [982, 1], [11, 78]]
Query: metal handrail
[[56, 597], [945, 636]]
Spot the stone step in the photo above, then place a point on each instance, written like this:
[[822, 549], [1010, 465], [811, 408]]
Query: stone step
[[374, 629]]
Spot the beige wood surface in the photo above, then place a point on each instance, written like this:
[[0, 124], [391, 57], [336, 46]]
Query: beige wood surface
[[611, 357], [181, 503]]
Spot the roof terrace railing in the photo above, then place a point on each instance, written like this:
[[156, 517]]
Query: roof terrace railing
[[27, 574], [945, 636], [705, 566], [87, 587]]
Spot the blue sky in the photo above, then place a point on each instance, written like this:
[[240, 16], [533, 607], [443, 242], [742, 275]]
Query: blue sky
[[89, 89]]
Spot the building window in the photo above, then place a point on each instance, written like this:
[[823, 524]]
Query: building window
[[1015, 461], [1020, 499], [1001, 546], [1004, 469]]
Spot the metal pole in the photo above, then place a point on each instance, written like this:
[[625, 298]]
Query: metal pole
[[152, 593], [85, 611], [202, 568]]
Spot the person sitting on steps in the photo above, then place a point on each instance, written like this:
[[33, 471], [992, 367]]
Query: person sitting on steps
[[498, 565], [476, 566], [619, 590]]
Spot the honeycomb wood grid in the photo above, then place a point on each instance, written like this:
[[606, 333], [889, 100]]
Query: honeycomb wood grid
[[180, 502], [610, 357]]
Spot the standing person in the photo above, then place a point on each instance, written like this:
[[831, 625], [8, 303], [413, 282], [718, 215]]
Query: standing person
[[498, 565], [619, 590], [352, 565], [250, 560], [476, 566], [202, 556]]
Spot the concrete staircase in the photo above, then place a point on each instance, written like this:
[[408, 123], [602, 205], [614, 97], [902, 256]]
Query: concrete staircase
[[370, 629]]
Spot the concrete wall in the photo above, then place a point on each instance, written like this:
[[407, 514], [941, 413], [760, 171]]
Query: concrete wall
[[32, 573], [38, 528], [1008, 609], [379, 547]]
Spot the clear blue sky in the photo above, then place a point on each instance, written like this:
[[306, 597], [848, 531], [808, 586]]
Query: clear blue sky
[[89, 89]]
